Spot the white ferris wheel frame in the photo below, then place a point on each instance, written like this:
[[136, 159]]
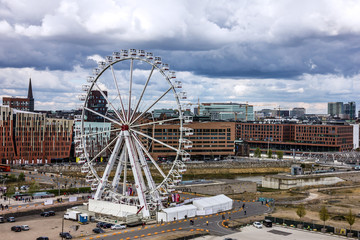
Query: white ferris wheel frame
[[133, 152]]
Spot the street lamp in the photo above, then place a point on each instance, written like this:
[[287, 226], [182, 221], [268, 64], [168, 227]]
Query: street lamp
[[59, 183]]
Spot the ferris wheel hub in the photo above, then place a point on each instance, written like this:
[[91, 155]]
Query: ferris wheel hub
[[124, 127]]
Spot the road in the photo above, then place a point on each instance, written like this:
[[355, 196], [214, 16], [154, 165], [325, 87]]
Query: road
[[214, 225]]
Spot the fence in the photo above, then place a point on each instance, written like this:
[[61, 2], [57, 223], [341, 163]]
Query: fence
[[315, 227]]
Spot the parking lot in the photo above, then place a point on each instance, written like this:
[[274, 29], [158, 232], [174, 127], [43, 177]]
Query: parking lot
[[274, 233], [44, 226]]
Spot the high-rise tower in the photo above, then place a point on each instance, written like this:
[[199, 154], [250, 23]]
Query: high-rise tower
[[30, 97]]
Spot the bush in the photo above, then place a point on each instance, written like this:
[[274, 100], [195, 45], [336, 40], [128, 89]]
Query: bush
[[70, 190]]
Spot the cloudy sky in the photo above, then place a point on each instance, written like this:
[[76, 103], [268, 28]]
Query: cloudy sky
[[266, 53]]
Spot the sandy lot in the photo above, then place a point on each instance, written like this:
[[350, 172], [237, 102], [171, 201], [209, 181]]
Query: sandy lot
[[41, 226]]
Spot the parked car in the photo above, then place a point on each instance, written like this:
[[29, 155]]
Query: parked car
[[100, 224], [2, 220], [51, 213], [25, 228], [257, 224], [10, 219], [16, 228], [65, 235], [267, 223], [107, 225], [42, 238], [45, 214], [118, 226], [98, 230]]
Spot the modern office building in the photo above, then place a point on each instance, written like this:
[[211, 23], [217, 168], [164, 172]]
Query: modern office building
[[227, 111], [350, 110], [94, 142], [165, 113], [24, 104], [297, 112], [32, 138], [98, 103], [335, 109]]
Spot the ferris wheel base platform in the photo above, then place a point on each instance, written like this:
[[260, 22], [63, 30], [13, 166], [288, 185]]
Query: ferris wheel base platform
[[110, 208]]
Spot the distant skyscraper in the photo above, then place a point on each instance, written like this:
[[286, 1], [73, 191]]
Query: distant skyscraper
[[350, 110], [297, 112], [335, 108]]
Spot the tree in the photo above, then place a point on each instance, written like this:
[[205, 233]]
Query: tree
[[350, 218], [34, 187], [300, 211], [21, 177], [257, 153], [280, 154], [324, 214], [269, 153]]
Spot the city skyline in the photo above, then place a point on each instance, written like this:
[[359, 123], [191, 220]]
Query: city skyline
[[265, 53]]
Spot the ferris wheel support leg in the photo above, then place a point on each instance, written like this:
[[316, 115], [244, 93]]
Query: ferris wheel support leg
[[119, 169], [139, 181], [108, 168], [125, 171], [145, 167]]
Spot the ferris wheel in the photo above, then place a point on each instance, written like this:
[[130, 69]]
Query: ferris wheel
[[119, 124]]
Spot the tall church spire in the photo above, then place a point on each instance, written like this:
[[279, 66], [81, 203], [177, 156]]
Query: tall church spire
[[30, 97]]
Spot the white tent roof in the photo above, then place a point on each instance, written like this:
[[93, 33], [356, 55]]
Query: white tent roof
[[212, 201], [180, 208]]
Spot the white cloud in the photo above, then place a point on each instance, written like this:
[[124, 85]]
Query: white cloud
[[256, 51]]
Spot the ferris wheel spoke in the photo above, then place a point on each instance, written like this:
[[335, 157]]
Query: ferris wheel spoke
[[148, 155], [103, 116], [145, 167], [117, 88], [156, 122], [130, 89], [142, 93], [110, 103], [154, 139], [157, 100]]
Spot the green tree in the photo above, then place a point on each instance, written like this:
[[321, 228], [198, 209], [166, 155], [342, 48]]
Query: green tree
[[269, 153], [324, 214], [34, 187], [10, 190], [12, 178], [280, 154], [300, 211], [21, 177], [350, 218], [257, 153]]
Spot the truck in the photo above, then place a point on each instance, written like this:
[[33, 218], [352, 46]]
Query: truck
[[72, 215]]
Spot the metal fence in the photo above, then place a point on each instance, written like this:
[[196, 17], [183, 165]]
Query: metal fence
[[314, 227]]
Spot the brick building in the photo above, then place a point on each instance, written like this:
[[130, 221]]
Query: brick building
[[209, 140], [24, 104], [31, 138], [298, 137]]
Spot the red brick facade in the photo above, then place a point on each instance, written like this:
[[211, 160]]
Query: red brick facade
[[301, 137], [32, 138]]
